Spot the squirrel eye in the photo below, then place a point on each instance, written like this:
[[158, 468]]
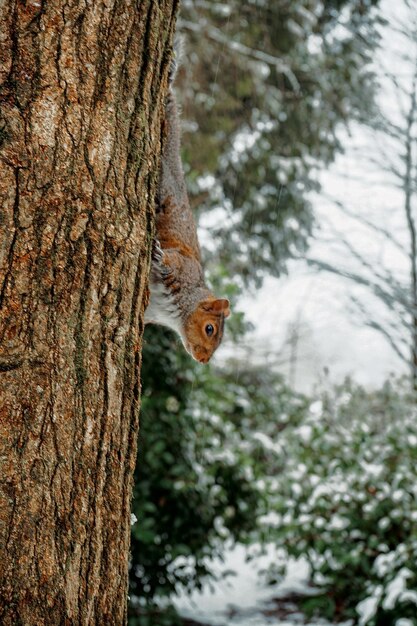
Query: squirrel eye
[[209, 330]]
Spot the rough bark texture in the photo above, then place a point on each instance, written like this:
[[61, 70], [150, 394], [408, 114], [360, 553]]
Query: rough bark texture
[[82, 86]]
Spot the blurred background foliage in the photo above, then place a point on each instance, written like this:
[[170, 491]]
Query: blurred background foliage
[[346, 501], [265, 87], [200, 471]]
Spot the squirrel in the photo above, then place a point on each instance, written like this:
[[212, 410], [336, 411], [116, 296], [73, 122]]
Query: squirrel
[[179, 297]]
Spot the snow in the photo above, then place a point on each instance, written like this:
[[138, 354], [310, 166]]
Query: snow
[[267, 442], [412, 440], [367, 608], [338, 522], [305, 432], [240, 600], [244, 591], [397, 589], [373, 470]]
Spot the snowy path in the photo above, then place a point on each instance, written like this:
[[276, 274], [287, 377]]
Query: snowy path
[[241, 600]]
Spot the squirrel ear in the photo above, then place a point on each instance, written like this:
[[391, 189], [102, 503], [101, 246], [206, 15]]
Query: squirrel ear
[[219, 306]]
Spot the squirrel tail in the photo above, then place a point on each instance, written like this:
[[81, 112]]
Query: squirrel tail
[[177, 57]]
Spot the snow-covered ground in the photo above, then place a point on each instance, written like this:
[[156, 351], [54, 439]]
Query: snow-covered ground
[[242, 599]]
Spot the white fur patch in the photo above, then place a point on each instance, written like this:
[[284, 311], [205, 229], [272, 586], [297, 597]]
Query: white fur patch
[[162, 308]]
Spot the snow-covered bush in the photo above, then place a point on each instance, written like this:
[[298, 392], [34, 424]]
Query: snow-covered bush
[[346, 498]]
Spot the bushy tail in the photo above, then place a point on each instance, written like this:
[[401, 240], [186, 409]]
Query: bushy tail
[[176, 58], [172, 189]]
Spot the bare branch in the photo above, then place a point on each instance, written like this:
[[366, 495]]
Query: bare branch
[[389, 299], [257, 55], [390, 332], [392, 342], [361, 219]]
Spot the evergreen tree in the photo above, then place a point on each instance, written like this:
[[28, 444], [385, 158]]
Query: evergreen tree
[[266, 86]]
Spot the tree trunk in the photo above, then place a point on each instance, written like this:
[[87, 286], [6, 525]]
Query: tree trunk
[[82, 87], [408, 188]]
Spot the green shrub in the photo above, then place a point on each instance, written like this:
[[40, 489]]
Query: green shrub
[[347, 501], [221, 451], [200, 476]]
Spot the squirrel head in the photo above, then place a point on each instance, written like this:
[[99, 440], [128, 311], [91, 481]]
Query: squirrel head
[[203, 329]]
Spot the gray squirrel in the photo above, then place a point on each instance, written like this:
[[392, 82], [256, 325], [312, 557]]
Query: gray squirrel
[[179, 297]]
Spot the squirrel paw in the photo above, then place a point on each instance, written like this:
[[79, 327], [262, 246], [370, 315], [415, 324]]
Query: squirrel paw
[[157, 252], [159, 260]]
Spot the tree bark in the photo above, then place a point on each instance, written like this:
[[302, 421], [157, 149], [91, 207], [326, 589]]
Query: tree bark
[[408, 188], [82, 86]]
